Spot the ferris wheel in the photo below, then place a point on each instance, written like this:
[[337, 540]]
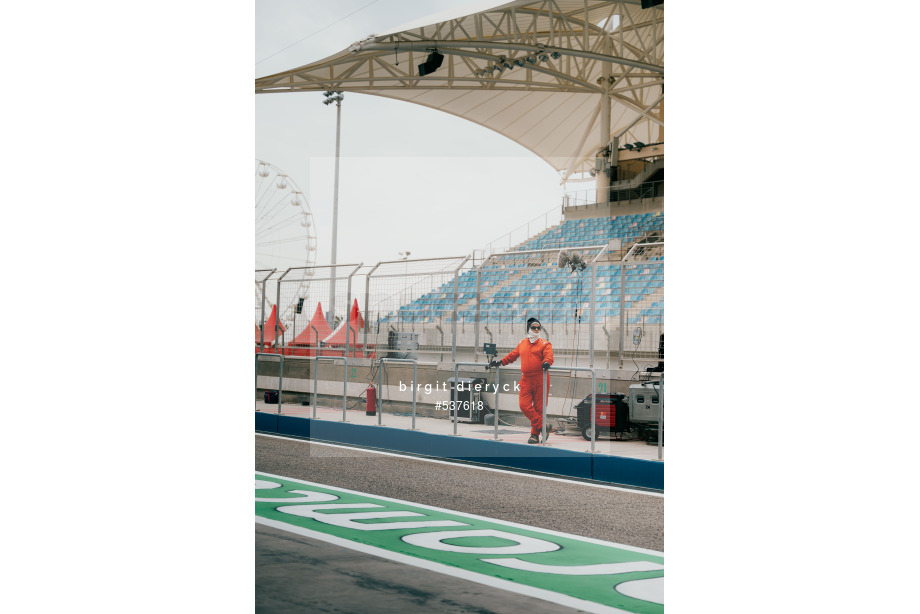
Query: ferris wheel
[[285, 235]]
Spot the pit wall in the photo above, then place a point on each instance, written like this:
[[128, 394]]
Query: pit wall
[[565, 390], [564, 463]]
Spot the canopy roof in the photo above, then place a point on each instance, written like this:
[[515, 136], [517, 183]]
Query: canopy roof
[[561, 78], [355, 322], [269, 336], [307, 336]]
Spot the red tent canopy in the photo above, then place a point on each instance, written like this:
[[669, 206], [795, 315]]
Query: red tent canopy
[[306, 336], [355, 322], [270, 327]]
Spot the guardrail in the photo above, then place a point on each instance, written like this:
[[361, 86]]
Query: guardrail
[[593, 399], [344, 383], [379, 403], [453, 394]]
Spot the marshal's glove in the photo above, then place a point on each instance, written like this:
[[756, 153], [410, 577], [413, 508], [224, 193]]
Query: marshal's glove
[[546, 366], [494, 363]]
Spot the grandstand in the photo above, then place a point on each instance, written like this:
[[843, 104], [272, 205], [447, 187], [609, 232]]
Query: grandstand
[[511, 296], [493, 299]]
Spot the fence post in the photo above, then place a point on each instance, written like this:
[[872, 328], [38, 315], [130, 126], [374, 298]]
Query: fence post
[[278, 315], [453, 323], [622, 308], [347, 321], [591, 318], [262, 319], [262, 316], [414, 389], [315, 368], [545, 400], [280, 380], [367, 315], [453, 395], [498, 385], [476, 338], [593, 409], [378, 402], [660, 416]]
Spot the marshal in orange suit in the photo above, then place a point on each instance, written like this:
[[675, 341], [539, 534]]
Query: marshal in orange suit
[[536, 356]]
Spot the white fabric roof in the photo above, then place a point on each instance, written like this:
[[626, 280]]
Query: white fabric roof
[[572, 56]]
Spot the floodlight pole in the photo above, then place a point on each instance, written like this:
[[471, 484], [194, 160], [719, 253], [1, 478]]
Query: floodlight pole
[[337, 98]]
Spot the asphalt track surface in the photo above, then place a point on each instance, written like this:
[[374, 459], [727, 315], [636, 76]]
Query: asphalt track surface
[[298, 574]]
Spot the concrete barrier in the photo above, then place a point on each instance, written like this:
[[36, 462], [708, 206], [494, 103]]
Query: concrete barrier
[[563, 463]]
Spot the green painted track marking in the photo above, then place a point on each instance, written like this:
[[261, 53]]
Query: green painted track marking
[[576, 571]]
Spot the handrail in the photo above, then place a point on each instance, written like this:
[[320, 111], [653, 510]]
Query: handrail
[[593, 399], [453, 394], [498, 371], [316, 353], [544, 215], [344, 383], [379, 406]]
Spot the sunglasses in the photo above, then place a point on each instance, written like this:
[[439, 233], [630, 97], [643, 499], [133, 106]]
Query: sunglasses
[[535, 327]]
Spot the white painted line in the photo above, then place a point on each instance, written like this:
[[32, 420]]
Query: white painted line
[[455, 464], [506, 523], [455, 572]]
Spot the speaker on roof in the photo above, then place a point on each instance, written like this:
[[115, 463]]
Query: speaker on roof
[[647, 4], [431, 64]]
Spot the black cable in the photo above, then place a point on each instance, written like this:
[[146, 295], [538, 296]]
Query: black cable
[[317, 32], [373, 375]]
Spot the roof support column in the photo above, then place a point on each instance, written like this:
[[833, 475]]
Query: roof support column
[[602, 161]]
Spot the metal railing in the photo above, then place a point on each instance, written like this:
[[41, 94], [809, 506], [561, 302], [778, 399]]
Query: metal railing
[[593, 399], [455, 389], [444, 307], [523, 232], [344, 383], [379, 403], [619, 195]]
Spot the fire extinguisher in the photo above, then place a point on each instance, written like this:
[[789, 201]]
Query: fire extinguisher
[[371, 401]]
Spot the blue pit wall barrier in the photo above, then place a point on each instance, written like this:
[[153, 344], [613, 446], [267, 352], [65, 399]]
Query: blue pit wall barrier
[[563, 463]]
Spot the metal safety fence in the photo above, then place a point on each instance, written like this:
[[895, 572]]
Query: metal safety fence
[[555, 286], [639, 288], [294, 321], [412, 306], [599, 310]]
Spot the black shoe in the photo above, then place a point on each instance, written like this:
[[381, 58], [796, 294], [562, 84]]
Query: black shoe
[[534, 439]]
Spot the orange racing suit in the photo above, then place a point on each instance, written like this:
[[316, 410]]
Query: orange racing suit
[[530, 398]]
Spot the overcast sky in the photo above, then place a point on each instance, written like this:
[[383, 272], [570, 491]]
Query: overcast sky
[[411, 178]]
